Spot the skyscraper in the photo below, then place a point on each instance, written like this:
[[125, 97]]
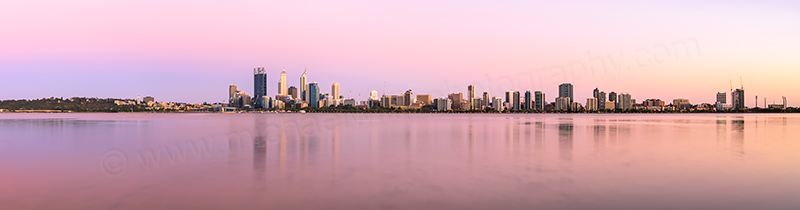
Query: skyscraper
[[471, 95], [596, 93], [335, 90], [722, 98], [486, 99], [282, 90], [512, 98], [232, 89], [738, 99], [259, 85], [591, 104], [601, 100], [528, 103], [612, 96], [373, 95], [303, 86], [455, 98], [625, 102], [407, 98], [313, 95], [565, 91], [538, 100]]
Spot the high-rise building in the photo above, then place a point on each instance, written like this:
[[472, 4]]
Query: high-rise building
[[539, 101], [784, 103], [528, 103], [293, 92], [737, 97], [612, 96], [486, 100], [722, 97], [455, 98], [335, 91], [313, 95], [444, 104], [471, 95], [303, 86], [407, 98], [386, 101], [373, 95], [282, 90], [596, 93], [497, 103], [512, 98], [625, 101], [232, 89], [565, 91], [591, 104], [601, 100], [259, 86]]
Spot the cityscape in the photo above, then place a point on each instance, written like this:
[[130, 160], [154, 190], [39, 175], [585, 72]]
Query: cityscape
[[311, 95]]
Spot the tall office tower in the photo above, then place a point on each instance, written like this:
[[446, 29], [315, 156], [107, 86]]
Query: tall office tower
[[625, 101], [591, 104], [313, 95], [722, 98], [471, 95], [612, 96], [565, 91], [538, 102], [456, 99], [335, 90], [485, 100], [595, 93], [515, 102], [282, 90], [528, 102], [601, 100], [303, 86], [259, 85], [232, 89], [738, 99], [373, 95], [512, 98], [497, 103], [443, 104], [293, 92], [407, 96]]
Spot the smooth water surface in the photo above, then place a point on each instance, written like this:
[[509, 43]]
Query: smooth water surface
[[399, 161]]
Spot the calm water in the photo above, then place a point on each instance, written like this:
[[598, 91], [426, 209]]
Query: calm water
[[399, 161]]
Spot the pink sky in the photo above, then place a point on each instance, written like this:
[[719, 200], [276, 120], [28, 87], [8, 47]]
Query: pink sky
[[190, 51]]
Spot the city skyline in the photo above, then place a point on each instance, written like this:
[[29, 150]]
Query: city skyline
[[186, 52], [516, 100]]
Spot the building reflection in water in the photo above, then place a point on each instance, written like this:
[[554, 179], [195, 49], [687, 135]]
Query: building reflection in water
[[722, 129], [737, 135], [260, 152], [540, 131], [565, 138], [599, 133]]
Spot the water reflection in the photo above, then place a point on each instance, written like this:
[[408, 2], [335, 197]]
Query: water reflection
[[737, 134], [565, 138]]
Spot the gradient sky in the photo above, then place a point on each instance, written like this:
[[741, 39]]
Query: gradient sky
[[190, 51]]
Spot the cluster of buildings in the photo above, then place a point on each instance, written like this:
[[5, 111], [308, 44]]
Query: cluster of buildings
[[149, 102], [309, 95]]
